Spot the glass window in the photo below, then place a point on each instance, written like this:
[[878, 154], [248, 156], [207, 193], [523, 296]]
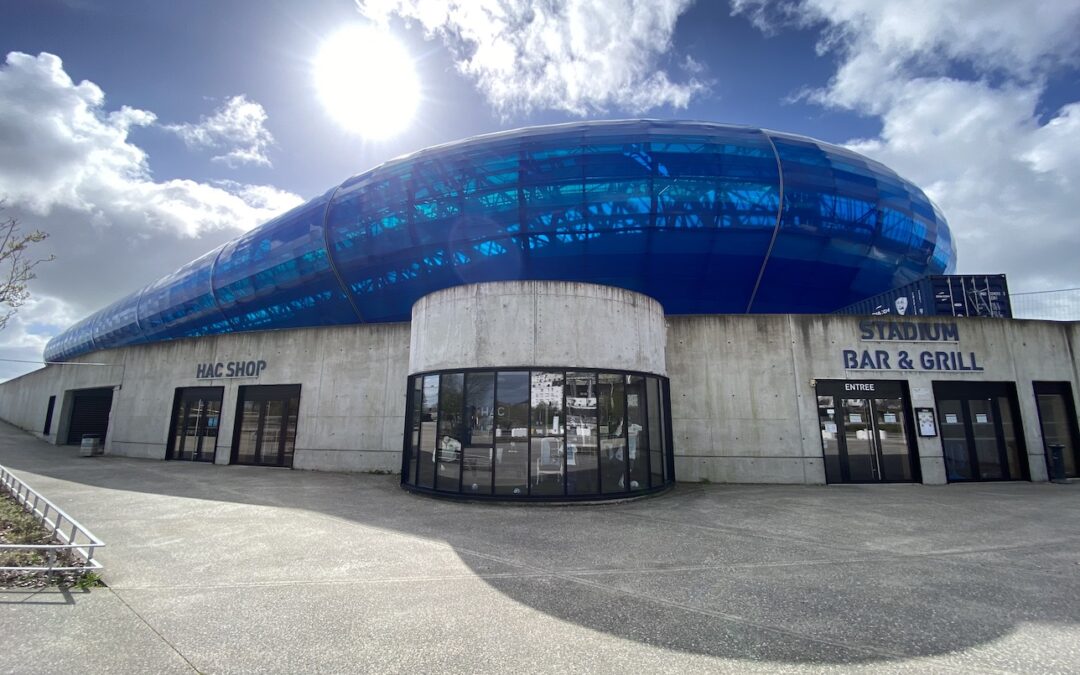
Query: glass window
[[954, 439], [429, 419], [512, 433], [637, 434], [545, 434], [408, 470], [451, 432], [581, 440], [547, 447], [1055, 417], [612, 429], [656, 432], [480, 433], [1012, 445]]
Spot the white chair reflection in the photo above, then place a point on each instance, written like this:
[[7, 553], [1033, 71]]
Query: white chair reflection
[[549, 463]]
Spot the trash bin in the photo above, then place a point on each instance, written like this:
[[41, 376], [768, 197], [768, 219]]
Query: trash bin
[[91, 445], [1056, 460]]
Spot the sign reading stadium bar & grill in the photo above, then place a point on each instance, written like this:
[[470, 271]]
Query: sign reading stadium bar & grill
[[944, 360]]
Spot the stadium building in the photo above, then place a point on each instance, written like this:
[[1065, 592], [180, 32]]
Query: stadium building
[[577, 311]]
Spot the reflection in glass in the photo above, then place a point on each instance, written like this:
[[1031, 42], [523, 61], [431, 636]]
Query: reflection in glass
[[656, 431], [542, 434], [451, 432], [480, 433], [954, 439], [1012, 444], [267, 432], [415, 407], [637, 437], [546, 443], [429, 419], [862, 460], [612, 427], [829, 441], [985, 439], [1054, 417], [895, 456], [249, 432], [581, 440], [512, 433], [195, 423]]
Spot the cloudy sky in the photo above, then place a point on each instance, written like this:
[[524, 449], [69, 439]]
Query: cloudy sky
[[140, 135]]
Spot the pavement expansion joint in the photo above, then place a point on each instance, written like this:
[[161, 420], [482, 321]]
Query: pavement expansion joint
[[153, 629]]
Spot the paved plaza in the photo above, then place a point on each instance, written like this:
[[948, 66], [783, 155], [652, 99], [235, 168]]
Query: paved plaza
[[244, 569]]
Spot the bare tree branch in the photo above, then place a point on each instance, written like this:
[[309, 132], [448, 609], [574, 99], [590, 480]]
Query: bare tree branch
[[16, 265]]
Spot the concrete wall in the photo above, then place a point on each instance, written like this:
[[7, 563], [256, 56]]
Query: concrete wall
[[744, 407], [352, 396], [537, 323], [743, 397]]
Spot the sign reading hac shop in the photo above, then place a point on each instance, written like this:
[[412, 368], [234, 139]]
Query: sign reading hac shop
[[226, 369], [948, 360]]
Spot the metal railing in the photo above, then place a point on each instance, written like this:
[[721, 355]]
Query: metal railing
[[76, 538]]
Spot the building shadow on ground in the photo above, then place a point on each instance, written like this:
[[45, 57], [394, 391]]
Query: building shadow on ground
[[806, 575]]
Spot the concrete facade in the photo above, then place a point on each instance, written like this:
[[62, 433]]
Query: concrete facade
[[743, 397], [352, 394], [537, 323], [744, 405]]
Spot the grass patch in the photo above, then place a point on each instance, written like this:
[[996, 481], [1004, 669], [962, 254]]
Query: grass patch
[[19, 527]]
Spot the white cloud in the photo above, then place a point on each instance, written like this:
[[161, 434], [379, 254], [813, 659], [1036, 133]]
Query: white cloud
[[27, 332], [1007, 180], [577, 56], [236, 128], [68, 167]]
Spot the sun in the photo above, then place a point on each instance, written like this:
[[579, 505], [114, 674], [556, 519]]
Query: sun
[[366, 81]]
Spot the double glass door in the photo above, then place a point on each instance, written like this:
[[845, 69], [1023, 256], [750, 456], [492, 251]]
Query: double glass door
[[195, 422], [865, 432], [980, 431], [266, 425]]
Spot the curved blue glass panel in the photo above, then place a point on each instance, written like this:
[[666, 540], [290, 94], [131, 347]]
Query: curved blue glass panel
[[849, 225], [118, 324], [689, 213], [279, 276], [182, 304]]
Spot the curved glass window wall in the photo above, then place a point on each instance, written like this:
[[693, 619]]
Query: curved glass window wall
[[537, 434], [706, 218]]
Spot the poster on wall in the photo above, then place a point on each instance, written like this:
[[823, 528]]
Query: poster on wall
[[927, 423]]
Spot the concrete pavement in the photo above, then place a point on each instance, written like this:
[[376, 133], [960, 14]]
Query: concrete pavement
[[242, 569]]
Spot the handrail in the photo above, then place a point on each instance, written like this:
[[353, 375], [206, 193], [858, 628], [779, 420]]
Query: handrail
[[76, 538]]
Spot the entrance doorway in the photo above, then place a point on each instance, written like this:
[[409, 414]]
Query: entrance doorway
[[196, 419], [90, 409], [981, 436], [1057, 418], [866, 431], [266, 425]]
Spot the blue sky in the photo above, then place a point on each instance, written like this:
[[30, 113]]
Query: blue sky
[[140, 135]]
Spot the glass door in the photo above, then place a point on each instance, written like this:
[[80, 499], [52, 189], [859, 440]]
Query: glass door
[[894, 455], [1057, 420], [980, 431], [865, 438], [266, 433], [859, 437], [195, 423]]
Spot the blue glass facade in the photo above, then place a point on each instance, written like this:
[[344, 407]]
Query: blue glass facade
[[706, 218]]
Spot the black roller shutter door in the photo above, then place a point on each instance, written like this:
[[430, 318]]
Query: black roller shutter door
[[89, 414]]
